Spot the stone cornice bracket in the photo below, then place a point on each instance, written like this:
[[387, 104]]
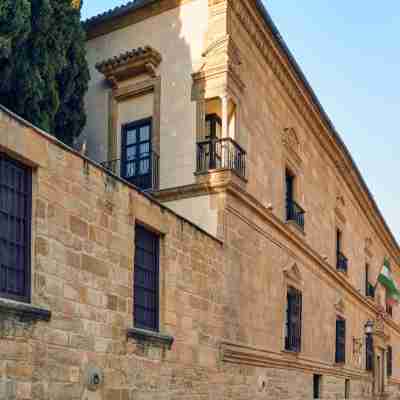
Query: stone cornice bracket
[[130, 64]]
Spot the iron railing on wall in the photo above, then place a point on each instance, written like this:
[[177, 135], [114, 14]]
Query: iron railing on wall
[[147, 178], [295, 213], [342, 262], [220, 154]]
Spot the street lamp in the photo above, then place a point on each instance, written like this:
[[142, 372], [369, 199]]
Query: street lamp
[[369, 327]]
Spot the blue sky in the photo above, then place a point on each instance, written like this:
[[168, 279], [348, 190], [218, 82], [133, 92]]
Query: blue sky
[[350, 53]]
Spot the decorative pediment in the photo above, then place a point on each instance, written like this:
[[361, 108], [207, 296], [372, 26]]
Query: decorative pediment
[[340, 207], [292, 145], [130, 64], [368, 247], [340, 306], [293, 274]]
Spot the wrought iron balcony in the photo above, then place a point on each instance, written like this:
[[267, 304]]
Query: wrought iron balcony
[[341, 262], [295, 213], [370, 291], [143, 172], [221, 154]]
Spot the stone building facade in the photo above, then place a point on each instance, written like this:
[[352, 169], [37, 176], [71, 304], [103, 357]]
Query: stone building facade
[[260, 240]]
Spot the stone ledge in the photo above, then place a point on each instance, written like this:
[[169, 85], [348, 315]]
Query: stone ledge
[[143, 335], [25, 312]]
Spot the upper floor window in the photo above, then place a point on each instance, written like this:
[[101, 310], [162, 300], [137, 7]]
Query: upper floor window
[[389, 305], [340, 353], [293, 211], [139, 163], [146, 279], [369, 288], [369, 350], [341, 260], [15, 229], [293, 320], [317, 386], [389, 360], [213, 126]]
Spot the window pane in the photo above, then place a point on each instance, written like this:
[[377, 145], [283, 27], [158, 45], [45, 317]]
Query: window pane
[[144, 150], [144, 166], [131, 153], [146, 283], [145, 133], [130, 169], [15, 223], [131, 137]]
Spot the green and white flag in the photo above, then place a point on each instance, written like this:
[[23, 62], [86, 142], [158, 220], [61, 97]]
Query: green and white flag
[[385, 279]]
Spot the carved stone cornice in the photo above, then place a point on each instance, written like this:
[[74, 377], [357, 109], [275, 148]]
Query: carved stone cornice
[[246, 13], [130, 64], [244, 354]]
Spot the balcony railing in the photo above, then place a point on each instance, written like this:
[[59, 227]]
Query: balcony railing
[[143, 173], [221, 154], [295, 213], [341, 262], [370, 291]]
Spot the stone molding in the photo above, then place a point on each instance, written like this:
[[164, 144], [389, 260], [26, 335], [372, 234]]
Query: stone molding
[[23, 311], [301, 98], [142, 335], [243, 354], [130, 64], [97, 26]]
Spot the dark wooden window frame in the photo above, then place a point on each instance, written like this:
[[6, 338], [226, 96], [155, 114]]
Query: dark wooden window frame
[[124, 161], [154, 323], [26, 219], [369, 353], [294, 306], [389, 361], [340, 348], [347, 388], [317, 383]]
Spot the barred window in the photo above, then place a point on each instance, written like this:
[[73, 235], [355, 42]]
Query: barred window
[[293, 320], [389, 361], [369, 346], [15, 229], [146, 280], [340, 354]]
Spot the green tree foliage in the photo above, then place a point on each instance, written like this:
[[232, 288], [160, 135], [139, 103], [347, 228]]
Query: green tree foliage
[[43, 70]]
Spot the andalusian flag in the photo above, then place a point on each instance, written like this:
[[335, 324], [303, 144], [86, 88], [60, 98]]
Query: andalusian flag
[[385, 279]]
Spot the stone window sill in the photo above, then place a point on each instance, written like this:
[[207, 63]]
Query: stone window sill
[[291, 353], [26, 312], [143, 335]]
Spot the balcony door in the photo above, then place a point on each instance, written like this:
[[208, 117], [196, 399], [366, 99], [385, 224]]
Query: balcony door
[[136, 153]]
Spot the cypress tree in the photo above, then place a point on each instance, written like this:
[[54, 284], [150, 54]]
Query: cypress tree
[[43, 70]]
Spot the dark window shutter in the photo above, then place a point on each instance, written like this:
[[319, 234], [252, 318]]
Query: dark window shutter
[[15, 229], [369, 353], [340, 354], [293, 320], [389, 361], [146, 280]]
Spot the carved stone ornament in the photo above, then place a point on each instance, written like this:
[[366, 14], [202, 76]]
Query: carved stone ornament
[[292, 145], [130, 64], [293, 274], [340, 306]]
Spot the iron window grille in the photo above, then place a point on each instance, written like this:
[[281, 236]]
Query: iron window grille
[[340, 354], [146, 280], [389, 361], [369, 356], [293, 210], [15, 229], [293, 320]]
